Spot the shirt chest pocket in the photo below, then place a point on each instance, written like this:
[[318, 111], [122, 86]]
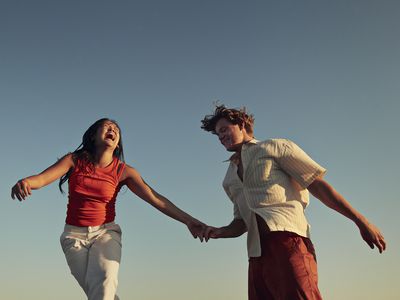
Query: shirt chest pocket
[[260, 172]]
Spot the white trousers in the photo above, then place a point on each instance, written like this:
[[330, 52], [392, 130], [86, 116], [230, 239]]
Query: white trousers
[[93, 255]]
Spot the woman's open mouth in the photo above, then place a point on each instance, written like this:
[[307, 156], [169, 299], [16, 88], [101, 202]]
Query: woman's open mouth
[[110, 136]]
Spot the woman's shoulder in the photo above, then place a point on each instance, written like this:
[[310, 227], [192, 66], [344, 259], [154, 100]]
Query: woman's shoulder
[[127, 168], [81, 160], [128, 172], [68, 158]]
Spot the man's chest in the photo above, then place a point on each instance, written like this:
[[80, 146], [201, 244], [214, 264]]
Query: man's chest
[[239, 170]]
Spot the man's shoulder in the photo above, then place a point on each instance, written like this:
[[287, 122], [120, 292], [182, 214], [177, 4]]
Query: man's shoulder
[[276, 146], [275, 142]]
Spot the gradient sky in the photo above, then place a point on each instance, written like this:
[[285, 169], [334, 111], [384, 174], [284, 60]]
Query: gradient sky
[[325, 74]]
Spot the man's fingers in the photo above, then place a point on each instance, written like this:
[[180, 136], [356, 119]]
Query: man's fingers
[[380, 243], [369, 242], [383, 244], [208, 233]]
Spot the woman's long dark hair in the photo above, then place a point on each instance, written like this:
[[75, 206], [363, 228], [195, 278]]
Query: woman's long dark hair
[[87, 149]]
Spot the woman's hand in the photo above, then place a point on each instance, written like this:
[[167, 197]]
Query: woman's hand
[[21, 190], [23, 187], [197, 228]]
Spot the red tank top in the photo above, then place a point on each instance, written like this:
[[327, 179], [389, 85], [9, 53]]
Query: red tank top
[[92, 194]]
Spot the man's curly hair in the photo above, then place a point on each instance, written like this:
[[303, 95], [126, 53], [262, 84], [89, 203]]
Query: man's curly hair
[[235, 116]]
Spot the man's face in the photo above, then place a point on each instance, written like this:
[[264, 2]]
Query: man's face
[[230, 135]]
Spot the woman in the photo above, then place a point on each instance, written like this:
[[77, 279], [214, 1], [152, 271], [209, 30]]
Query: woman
[[95, 172]]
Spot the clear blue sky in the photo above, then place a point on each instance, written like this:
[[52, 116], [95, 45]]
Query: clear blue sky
[[322, 73]]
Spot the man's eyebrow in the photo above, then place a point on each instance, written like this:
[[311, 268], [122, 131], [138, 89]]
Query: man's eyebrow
[[221, 128]]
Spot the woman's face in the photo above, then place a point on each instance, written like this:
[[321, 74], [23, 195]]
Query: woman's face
[[108, 134]]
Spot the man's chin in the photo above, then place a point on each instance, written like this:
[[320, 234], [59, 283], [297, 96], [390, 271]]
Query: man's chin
[[231, 148]]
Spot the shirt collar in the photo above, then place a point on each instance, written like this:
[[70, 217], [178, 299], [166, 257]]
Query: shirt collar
[[235, 158]]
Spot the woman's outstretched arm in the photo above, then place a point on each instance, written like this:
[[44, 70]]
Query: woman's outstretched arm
[[23, 188], [137, 185]]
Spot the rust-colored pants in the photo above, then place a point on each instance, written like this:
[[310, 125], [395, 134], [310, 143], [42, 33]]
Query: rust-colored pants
[[286, 270]]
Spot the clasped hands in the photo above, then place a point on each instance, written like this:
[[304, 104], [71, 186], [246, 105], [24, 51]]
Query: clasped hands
[[202, 231]]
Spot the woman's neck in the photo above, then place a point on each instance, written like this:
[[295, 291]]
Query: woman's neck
[[103, 159]]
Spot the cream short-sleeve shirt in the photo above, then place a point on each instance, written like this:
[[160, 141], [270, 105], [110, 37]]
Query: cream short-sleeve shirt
[[276, 174]]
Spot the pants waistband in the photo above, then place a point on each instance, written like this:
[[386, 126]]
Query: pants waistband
[[87, 229]]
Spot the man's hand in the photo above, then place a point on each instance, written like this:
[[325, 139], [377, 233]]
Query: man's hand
[[236, 228], [372, 236], [213, 233]]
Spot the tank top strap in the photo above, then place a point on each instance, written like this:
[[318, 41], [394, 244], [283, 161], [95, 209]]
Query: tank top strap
[[120, 169]]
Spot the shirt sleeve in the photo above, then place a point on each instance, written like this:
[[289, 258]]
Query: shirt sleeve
[[295, 162]]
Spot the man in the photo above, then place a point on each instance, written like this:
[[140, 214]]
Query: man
[[269, 184]]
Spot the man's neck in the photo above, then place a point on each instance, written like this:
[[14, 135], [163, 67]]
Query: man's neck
[[245, 141]]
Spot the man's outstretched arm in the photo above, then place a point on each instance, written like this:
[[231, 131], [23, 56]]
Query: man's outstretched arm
[[323, 191], [236, 228]]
